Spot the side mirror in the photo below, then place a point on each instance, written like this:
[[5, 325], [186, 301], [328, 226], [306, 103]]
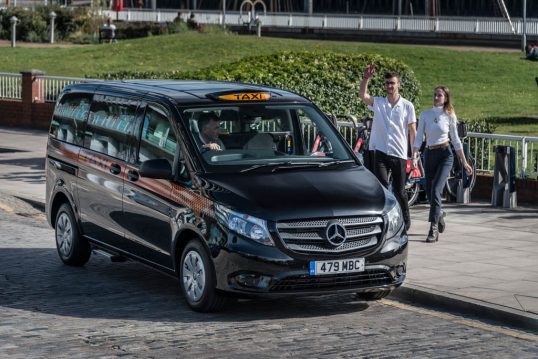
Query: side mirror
[[158, 168]]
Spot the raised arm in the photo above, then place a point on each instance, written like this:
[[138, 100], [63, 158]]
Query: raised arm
[[369, 72]]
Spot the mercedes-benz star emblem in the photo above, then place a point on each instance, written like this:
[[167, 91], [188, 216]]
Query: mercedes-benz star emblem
[[335, 233]]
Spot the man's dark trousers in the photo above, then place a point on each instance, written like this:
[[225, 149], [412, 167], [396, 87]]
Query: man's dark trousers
[[395, 165]]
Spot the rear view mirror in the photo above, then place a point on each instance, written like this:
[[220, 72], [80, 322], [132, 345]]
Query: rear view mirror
[[158, 168]]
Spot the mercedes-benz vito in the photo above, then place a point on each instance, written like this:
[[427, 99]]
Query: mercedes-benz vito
[[236, 189]]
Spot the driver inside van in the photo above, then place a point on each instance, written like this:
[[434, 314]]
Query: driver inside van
[[209, 126]]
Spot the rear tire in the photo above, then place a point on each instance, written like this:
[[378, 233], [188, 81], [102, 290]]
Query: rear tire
[[73, 249], [456, 173], [197, 279], [412, 190], [369, 296]]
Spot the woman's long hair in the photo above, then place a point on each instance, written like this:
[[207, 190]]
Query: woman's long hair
[[447, 106]]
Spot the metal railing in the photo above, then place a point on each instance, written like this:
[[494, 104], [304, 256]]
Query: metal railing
[[343, 22], [51, 86], [526, 149], [10, 85]]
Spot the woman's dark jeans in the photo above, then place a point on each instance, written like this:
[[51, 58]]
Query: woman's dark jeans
[[438, 165]]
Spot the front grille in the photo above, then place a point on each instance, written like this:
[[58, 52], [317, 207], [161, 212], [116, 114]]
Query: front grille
[[308, 236], [368, 278]]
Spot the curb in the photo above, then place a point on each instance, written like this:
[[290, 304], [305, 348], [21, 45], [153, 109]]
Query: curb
[[469, 306]]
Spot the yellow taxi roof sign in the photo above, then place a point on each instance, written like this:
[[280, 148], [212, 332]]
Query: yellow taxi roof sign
[[246, 96]]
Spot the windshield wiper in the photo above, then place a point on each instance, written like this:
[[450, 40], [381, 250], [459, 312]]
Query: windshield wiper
[[263, 165], [294, 165], [311, 165]]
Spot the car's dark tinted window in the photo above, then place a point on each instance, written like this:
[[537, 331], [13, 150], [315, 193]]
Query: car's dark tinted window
[[111, 122], [69, 116], [158, 139]]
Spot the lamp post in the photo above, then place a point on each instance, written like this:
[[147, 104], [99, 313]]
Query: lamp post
[[224, 13], [13, 21], [524, 37], [52, 17]]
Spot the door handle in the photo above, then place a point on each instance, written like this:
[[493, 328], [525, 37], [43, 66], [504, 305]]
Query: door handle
[[115, 168], [133, 176]]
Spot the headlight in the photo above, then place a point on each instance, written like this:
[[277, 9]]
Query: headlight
[[395, 219], [245, 225], [394, 226]]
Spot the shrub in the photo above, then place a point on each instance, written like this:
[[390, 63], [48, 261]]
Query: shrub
[[34, 25], [329, 79]]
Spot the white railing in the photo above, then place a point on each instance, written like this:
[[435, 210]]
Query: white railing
[[346, 22], [53, 85], [526, 151], [10, 85]]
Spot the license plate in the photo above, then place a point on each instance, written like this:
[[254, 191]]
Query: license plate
[[337, 266]]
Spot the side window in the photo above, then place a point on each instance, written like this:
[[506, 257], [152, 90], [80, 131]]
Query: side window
[[69, 116], [111, 122], [158, 139]]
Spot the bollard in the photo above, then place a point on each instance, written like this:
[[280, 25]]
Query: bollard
[[504, 178], [258, 27], [52, 17], [13, 21], [463, 194]]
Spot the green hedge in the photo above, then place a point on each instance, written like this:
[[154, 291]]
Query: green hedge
[[34, 24], [329, 79], [81, 25]]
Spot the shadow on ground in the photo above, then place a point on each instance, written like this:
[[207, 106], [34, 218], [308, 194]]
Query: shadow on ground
[[34, 279]]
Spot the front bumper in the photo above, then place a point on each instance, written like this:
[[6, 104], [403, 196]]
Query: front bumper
[[248, 268]]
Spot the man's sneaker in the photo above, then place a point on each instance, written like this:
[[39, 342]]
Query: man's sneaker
[[442, 224]]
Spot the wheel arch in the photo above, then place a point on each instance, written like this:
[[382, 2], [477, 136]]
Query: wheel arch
[[180, 242], [59, 199]]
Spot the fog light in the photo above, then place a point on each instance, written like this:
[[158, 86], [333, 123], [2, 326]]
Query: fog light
[[253, 280], [400, 270]]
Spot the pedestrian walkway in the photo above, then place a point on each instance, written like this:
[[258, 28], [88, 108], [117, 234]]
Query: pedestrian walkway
[[486, 258]]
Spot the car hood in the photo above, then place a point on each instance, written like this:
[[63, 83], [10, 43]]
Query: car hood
[[298, 193]]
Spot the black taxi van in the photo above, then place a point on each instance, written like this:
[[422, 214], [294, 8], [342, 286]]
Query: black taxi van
[[236, 189]]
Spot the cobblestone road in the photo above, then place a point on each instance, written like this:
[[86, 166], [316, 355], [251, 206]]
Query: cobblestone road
[[48, 310]]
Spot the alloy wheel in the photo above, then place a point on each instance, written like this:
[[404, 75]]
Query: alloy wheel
[[194, 275], [64, 235]]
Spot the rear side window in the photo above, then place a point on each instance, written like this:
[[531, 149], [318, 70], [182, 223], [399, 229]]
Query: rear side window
[[158, 139], [69, 116], [110, 125]]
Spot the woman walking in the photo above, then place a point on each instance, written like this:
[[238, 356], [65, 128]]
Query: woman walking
[[439, 125]]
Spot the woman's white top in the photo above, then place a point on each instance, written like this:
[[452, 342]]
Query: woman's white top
[[438, 127]]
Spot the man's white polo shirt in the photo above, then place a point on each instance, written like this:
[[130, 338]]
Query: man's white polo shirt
[[390, 126]]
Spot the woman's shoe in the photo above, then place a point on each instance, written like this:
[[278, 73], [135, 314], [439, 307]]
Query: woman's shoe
[[433, 234], [442, 224]]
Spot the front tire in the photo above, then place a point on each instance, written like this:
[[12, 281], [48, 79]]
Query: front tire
[[73, 249], [197, 279]]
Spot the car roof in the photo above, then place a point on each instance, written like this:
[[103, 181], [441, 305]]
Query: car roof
[[189, 92]]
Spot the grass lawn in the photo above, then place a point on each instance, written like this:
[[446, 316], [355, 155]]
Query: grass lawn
[[496, 84]]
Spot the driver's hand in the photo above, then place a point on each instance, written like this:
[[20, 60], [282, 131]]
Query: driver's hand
[[212, 146]]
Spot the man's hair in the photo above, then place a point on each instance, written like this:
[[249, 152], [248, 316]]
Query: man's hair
[[205, 118], [391, 74]]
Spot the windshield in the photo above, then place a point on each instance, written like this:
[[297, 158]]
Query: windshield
[[255, 136]]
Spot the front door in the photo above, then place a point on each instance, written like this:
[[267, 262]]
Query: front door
[[147, 207]]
